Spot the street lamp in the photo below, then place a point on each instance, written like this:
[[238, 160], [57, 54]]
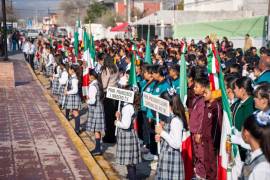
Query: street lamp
[[5, 29]]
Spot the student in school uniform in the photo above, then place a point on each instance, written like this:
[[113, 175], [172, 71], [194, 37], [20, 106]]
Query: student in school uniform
[[62, 85], [229, 82], [211, 133], [256, 133], [262, 98], [127, 147], [49, 62], [243, 107], [147, 86], [170, 163], [96, 118], [160, 86], [72, 97], [174, 71], [196, 127], [190, 91], [49, 65], [55, 79]]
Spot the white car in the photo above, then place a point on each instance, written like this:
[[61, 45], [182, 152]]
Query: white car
[[32, 33]]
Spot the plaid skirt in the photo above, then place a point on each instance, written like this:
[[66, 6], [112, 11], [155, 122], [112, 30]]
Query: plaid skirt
[[49, 70], [61, 95], [128, 148], [72, 101], [96, 118], [55, 86], [170, 164]]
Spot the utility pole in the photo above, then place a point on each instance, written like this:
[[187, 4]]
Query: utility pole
[[129, 11], [268, 24], [5, 29]]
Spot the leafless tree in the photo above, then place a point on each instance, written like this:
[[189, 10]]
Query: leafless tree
[[11, 15], [72, 10]]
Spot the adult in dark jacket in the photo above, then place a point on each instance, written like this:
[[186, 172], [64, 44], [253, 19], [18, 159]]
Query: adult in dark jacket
[[264, 66]]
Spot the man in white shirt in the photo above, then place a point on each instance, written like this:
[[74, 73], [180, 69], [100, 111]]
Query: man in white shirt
[[32, 51], [26, 49]]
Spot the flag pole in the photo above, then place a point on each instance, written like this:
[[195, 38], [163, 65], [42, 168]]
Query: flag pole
[[118, 109], [158, 143], [90, 32]]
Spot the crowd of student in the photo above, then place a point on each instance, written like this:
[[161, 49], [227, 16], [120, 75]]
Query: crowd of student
[[247, 79]]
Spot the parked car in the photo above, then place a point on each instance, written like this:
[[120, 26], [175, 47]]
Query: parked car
[[32, 33], [61, 32]]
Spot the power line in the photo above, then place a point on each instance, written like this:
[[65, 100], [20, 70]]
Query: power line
[[58, 9]]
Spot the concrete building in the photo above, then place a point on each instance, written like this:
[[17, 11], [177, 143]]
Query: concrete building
[[167, 19], [146, 7], [50, 21], [257, 7]]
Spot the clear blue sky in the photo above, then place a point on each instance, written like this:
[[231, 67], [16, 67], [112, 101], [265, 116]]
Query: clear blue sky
[[28, 8]]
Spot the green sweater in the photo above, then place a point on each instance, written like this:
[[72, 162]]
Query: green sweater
[[241, 111]]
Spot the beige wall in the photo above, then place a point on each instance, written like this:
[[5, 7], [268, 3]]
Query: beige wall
[[258, 7]]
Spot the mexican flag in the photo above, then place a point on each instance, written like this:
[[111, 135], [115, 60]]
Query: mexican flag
[[229, 165], [76, 38], [183, 47], [186, 138], [92, 50], [132, 74], [88, 63], [148, 49], [213, 67], [183, 76]]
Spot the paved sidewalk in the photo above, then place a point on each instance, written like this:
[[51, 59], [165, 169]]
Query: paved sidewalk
[[108, 160], [33, 143]]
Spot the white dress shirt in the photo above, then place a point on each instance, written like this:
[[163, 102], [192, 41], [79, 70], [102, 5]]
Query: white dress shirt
[[50, 60], [74, 85], [64, 77], [126, 115], [98, 68], [262, 170], [174, 137], [58, 72], [26, 47], [92, 92], [32, 49], [128, 66]]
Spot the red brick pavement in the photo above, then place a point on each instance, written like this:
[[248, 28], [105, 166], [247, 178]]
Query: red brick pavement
[[6, 75], [33, 144]]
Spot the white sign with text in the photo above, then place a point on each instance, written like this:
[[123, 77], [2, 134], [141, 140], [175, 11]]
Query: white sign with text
[[156, 103], [120, 94]]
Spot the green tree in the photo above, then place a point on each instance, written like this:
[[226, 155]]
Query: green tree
[[109, 18], [95, 11]]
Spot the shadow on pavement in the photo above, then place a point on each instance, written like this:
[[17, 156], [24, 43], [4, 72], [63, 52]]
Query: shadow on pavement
[[21, 83]]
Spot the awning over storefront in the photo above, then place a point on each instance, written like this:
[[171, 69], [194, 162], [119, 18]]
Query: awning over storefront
[[255, 27], [120, 28]]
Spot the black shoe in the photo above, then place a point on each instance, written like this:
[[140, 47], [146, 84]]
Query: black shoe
[[96, 152], [109, 140], [78, 132]]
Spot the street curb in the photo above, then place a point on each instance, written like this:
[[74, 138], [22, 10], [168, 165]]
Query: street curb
[[86, 156]]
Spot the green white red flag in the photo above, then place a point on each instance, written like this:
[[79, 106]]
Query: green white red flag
[[183, 76], [88, 61], [132, 81], [186, 138], [213, 67], [148, 48], [229, 164]]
